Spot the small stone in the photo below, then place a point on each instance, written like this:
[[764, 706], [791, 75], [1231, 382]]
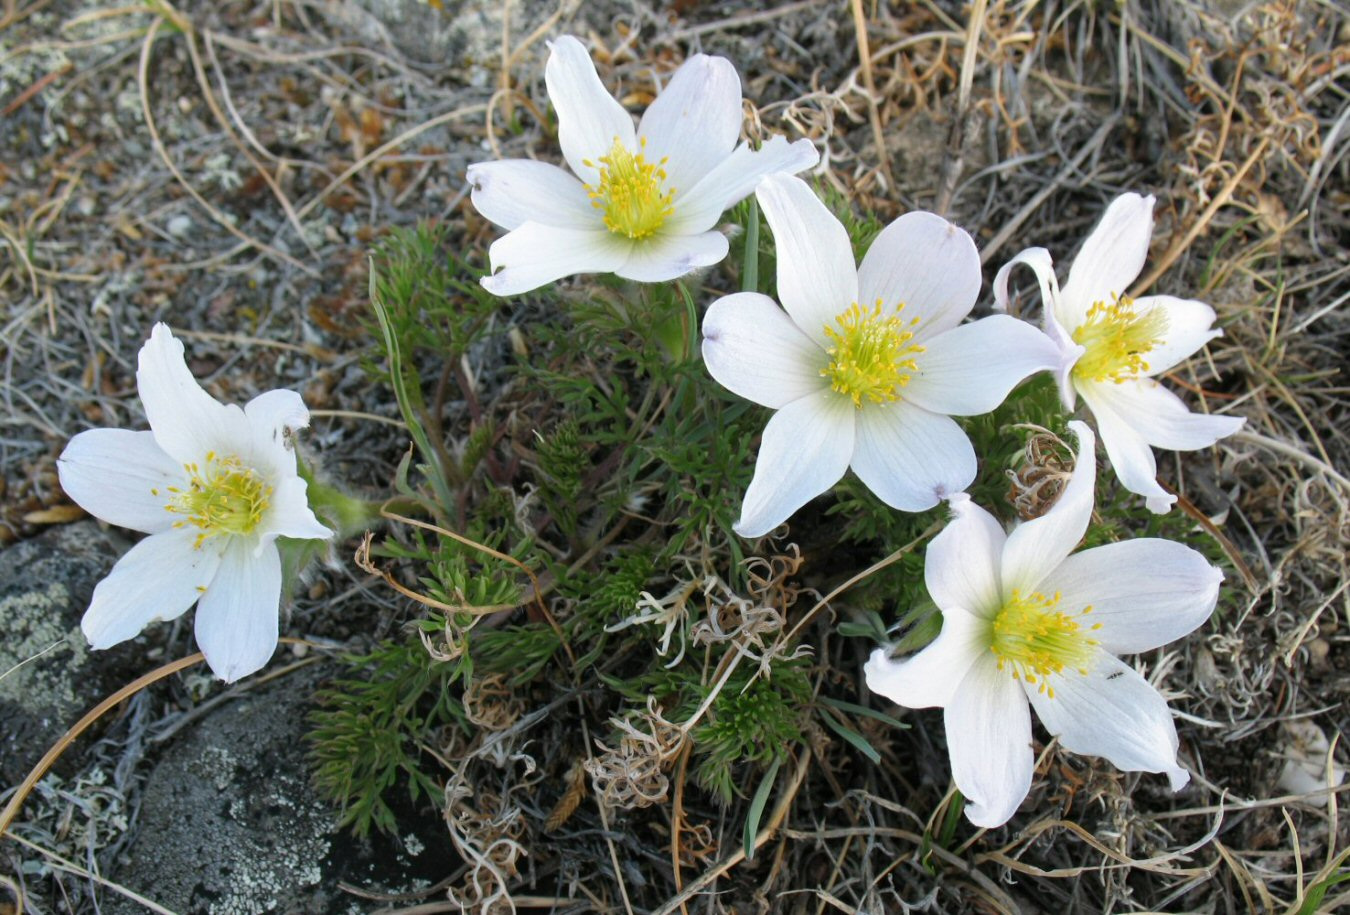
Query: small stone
[[179, 226]]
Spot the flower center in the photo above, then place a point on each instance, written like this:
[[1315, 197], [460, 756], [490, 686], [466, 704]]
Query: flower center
[[224, 497], [1116, 339], [1035, 639], [631, 192], [871, 354]]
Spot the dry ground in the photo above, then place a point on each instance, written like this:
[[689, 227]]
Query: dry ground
[[225, 167]]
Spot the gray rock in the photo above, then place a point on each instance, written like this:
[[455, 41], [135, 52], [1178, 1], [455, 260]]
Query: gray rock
[[45, 589], [230, 825], [464, 35]]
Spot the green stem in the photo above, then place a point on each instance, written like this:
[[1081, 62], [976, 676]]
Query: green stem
[[750, 266]]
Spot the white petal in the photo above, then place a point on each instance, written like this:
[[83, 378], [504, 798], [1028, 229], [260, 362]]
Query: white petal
[[1036, 547], [930, 678], [1038, 259], [1190, 325], [989, 738], [121, 477], [925, 262], [961, 566], [667, 257], [187, 421], [1041, 263], [535, 254], [698, 208], [910, 458], [1131, 457], [753, 349], [970, 369], [157, 579], [816, 277], [1159, 416], [272, 418], [237, 616], [1144, 593], [1111, 257], [589, 119], [289, 515], [513, 192], [804, 452], [696, 120], [1115, 714]]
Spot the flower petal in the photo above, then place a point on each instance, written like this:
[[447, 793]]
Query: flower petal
[[929, 678], [535, 254], [187, 421], [1144, 593], [272, 418], [989, 738], [513, 192], [157, 579], [909, 457], [753, 349], [666, 257], [961, 567], [1130, 455], [1110, 259], [804, 452], [696, 120], [1036, 547], [1038, 259], [237, 616], [1161, 418], [1190, 325], [1113, 713], [816, 276], [929, 265], [698, 208], [589, 119], [970, 369], [121, 477], [289, 515]]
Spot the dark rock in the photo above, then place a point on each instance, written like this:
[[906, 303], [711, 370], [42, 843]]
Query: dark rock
[[45, 590], [230, 824]]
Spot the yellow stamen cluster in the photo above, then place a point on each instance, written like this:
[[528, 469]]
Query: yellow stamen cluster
[[871, 355], [224, 497], [1035, 640], [631, 192], [1116, 339]]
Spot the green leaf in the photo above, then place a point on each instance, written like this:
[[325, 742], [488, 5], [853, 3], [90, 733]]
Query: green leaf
[[757, 805], [1312, 900], [854, 708], [853, 737]]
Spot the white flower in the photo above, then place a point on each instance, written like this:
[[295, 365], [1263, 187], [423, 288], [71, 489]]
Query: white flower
[[213, 486], [1024, 620], [639, 203], [1114, 345], [868, 364]]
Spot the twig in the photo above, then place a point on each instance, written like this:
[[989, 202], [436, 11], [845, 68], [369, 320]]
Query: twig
[[143, 83], [94, 714], [70, 867], [865, 573], [873, 114], [766, 833], [1179, 246], [1014, 225]]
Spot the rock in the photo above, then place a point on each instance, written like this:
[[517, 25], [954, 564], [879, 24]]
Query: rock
[[46, 587], [230, 825], [463, 36]]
